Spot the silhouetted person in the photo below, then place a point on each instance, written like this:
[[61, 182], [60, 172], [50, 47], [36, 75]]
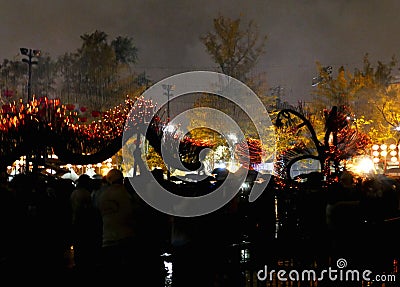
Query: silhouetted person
[[151, 236], [8, 223], [202, 245], [119, 245], [83, 225]]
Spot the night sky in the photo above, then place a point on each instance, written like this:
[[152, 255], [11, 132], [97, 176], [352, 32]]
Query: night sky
[[300, 32]]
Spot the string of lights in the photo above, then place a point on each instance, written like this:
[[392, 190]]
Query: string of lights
[[47, 122]]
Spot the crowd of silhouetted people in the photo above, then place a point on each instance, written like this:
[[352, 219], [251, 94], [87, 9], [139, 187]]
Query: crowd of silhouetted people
[[100, 228]]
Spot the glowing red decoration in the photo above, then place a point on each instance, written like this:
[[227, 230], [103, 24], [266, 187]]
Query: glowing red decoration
[[8, 93], [70, 107], [254, 148], [50, 117], [6, 109], [95, 114]]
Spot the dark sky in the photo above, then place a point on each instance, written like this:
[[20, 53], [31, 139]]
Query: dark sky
[[300, 32]]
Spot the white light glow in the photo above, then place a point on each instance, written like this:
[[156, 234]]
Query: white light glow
[[366, 165], [363, 165], [50, 171], [169, 128]]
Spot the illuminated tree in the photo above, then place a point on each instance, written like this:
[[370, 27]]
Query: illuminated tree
[[199, 123], [250, 152], [289, 135], [367, 94], [340, 141], [154, 160]]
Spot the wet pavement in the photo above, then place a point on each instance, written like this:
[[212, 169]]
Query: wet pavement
[[244, 264]]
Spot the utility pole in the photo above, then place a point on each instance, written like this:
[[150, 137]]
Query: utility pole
[[168, 88]]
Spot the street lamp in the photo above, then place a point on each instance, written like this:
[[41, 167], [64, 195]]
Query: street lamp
[[30, 54], [168, 88]]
